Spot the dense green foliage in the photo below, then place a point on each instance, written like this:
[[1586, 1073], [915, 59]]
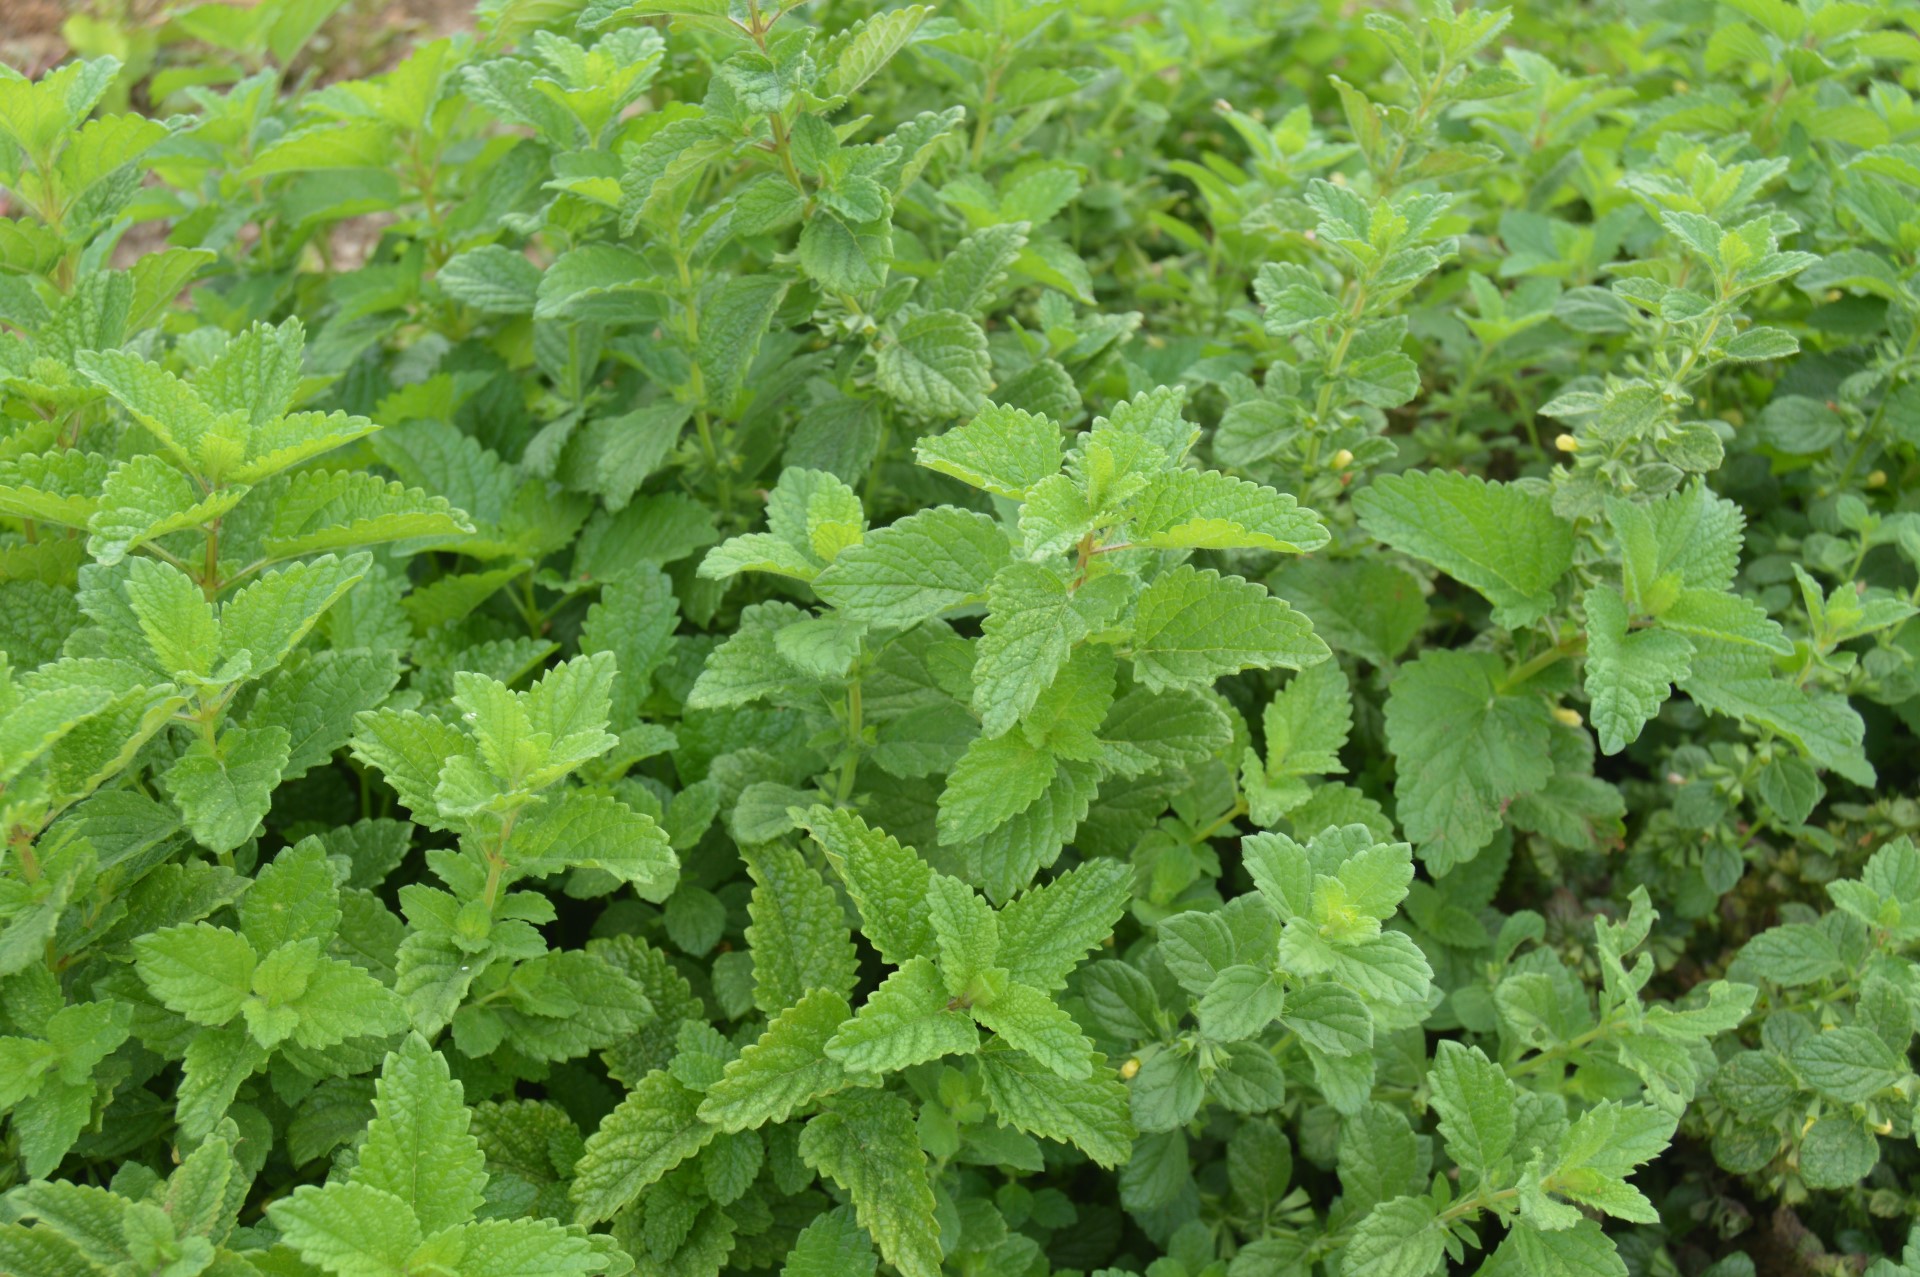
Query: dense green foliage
[[1206, 638]]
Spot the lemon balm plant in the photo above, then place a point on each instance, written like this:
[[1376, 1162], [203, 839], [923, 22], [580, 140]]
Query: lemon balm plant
[[705, 637]]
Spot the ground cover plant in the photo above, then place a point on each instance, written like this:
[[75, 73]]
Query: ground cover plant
[[1178, 639]]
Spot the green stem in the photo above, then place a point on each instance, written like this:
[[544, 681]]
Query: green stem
[[856, 725], [1233, 813], [1542, 661]]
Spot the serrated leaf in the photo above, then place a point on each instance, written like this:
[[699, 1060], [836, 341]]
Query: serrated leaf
[[888, 882], [906, 1021], [866, 1142], [1475, 1102], [202, 971], [1045, 932], [994, 781], [1032, 623], [350, 1229], [1003, 450], [1204, 509], [798, 936], [1629, 672], [224, 789], [1463, 748], [833, 1245], [418, 1147], [1090, 1113], [937, 365], [785, 1069], [1503, 540], [655, 1128], [915, 569], [1192, 625]]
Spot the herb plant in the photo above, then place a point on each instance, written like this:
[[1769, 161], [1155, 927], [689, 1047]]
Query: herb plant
[[691, 637]]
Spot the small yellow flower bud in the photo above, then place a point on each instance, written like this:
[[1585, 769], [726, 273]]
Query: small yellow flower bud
[[1878, 479], [1567, 443], [1566, 717], [1130, 1068], [1342, 459]]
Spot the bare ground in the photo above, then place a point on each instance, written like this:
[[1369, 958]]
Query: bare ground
[[363, 37]]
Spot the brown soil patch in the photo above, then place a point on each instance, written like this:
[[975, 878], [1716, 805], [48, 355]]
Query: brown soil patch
[[361, 39]]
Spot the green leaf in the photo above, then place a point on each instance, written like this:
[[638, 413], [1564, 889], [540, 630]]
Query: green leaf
[[493, 279], [843, 257], [1370, 607], [1033, 621], [593, 831], [1598, 1152], [1727, 618], [175, 616], [1090, 1113], [517, 1247], [1503, 540], [888, 882], [966, 933], [655, 1128], [1030, 1021], [1192, 625], [224, 789], [973, 272], [1400, 1238], [270, 616], [1146, 732], [418, 1147], [1204, 509], [994, 781], [869, 45], [1045, 932], [1580, 1251], [1476, 1105], [145, 499], [1307, 723], [321, 510], [915, 569], [1850, 1064], [798, 935], [1463, 748], [1331, 1020], [202, 971], [1242, 1001], [731, 325], [786, 1069], [1629, 672], [353, 1230], [937, 365], [906, 1021], [833, 1245], [1741, 682], [1003, 450], [292, 899], [866, 1142]]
